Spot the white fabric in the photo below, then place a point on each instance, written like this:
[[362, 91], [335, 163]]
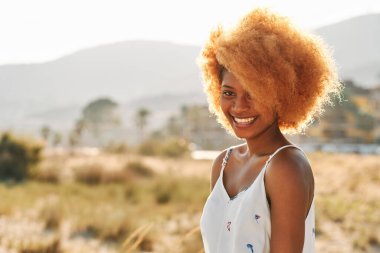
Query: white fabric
[[242, 224]]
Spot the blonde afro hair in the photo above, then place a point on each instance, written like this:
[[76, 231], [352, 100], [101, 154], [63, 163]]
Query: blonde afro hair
[[279, 65]]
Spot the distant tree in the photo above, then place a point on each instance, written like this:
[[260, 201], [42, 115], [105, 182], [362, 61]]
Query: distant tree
[[184, 116], [99, 115], [141, 118], [365, 122], [75, 134], [45, 132], [57, 138], [73, 139], [348, 113], [101, 112], [173, 126], [193, 118], [79, 127]]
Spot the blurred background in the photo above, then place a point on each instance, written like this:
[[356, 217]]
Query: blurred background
[[106, 142]]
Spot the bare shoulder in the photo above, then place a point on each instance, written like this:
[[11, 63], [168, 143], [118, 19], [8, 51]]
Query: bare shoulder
[[216, 167], [289, 175], [289, 162]]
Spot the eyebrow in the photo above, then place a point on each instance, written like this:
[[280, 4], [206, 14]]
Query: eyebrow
[[227, 86]]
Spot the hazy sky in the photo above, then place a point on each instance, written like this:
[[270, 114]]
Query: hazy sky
[[41, 30]]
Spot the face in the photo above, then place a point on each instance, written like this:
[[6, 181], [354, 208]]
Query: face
[[248, 118]]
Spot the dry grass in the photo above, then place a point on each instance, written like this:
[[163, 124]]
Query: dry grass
[[348, 207], [159, 206]]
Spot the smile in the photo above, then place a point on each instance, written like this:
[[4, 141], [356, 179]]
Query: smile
[[245, 121]]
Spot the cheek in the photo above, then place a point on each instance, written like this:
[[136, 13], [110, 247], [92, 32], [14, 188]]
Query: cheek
[[267, 112], [224, 105]]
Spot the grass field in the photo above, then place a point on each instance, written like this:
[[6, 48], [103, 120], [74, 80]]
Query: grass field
[[129, 203]]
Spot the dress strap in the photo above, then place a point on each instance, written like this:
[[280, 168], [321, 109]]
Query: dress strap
[[225, 159], [278, 150]]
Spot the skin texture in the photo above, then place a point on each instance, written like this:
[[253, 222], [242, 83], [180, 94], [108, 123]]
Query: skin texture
[[289, 200]]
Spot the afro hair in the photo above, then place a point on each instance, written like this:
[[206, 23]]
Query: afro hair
[[280, 66]]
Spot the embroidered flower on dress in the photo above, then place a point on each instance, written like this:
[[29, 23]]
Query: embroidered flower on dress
[[229, 226], [250, 247], [257, 217]]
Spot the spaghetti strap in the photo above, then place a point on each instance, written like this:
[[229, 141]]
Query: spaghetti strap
[[278, 150], [225, 159]]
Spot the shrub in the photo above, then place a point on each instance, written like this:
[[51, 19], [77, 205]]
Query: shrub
[[175, 148], [50, 174], [113, 176], [118, 148], [149, 148], [18, 156], [132, 193], [49, 210], [138, 169], [165, 189], [89, 174]]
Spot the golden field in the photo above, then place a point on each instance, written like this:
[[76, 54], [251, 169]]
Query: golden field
[[130, 203]]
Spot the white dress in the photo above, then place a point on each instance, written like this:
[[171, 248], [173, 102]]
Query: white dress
[[242, 224]]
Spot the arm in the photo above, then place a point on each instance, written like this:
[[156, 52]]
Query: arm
[[288, 183], [216, 167]]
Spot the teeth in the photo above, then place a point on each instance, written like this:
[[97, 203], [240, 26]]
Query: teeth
[[244, 120]]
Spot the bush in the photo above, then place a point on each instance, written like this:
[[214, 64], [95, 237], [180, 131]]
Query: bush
[[50, 175], [89, 174], [149, 148], [95, 173], [49, 210], [138, 169], [175, 148], [113, 176], [18, 156], [165, 189], [117, 148]]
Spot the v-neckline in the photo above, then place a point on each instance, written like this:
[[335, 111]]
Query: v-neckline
[[250, 185], [243, 190]]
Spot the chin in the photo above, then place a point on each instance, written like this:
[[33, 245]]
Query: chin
[[244, 133], [244, 136]]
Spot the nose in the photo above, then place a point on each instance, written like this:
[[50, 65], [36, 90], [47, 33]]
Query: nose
[[241, 104]]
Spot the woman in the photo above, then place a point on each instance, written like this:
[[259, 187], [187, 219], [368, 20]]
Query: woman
[[263, 78]]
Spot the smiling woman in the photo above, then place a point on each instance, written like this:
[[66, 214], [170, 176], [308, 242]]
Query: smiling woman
[[246, 117], [264, 78]]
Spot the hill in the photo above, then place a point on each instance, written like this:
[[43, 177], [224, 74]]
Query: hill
[[159, 75], [355, 44]]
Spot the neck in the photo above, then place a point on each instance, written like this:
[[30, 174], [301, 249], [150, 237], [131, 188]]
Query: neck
[[267, 142]]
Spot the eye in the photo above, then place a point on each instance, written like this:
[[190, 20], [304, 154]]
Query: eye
[[227, 93]]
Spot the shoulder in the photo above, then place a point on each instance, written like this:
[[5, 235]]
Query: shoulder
[[289, 162], [218, 161], [289, 187], [216, 167], [289, 174]]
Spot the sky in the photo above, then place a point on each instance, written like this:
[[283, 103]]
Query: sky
[[43, 30]]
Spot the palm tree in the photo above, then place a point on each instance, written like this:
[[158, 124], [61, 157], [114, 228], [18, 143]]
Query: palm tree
[[142, 115]]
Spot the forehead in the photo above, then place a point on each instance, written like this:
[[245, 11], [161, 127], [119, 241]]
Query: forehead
[[229, 79]]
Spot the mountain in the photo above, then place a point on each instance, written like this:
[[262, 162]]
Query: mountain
[[355, 43], [125, 71], [159, 75]]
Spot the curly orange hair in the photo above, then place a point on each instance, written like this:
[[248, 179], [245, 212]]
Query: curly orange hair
[[279, 65]]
